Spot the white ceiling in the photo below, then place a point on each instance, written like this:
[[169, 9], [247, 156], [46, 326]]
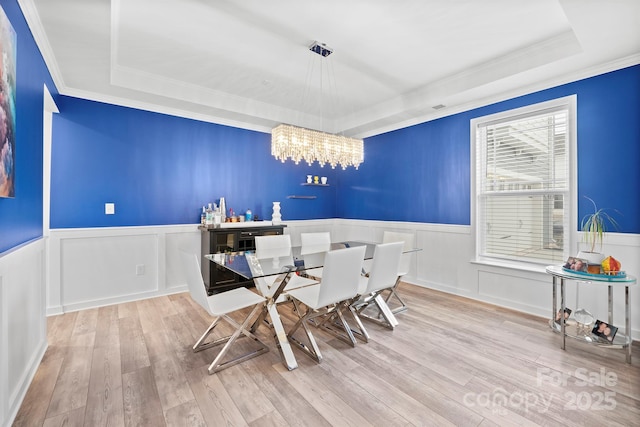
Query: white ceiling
[[247, 64]]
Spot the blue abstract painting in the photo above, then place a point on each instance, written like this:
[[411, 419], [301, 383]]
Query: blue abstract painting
[[7, 106]]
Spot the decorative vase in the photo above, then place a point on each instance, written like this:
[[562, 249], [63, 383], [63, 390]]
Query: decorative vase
[[276, 218], [584, 320], [591, 257]]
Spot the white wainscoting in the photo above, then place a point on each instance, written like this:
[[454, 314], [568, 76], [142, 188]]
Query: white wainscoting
[[447, 263], [23, 325], [93, 267]]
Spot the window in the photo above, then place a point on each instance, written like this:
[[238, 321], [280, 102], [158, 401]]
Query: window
[[523, 172]]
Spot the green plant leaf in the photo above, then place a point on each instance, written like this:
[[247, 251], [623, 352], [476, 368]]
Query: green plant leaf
[[594, 225]]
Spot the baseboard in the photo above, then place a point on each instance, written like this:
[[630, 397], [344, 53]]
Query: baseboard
[[116, 300]]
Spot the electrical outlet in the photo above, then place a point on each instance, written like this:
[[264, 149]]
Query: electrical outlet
[[140, 270], [109, 208]]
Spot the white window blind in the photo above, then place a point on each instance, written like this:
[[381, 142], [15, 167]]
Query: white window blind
[[522, 185]]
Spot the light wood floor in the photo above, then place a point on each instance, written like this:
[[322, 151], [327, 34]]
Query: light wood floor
[[451, 361]]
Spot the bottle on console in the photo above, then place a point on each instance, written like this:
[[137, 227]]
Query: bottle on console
[[223, 210], [209, 215]]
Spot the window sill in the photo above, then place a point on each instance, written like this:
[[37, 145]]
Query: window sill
[[512, 265]]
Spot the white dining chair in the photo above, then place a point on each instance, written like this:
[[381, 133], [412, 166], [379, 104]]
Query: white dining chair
[[383, 276], [275, 247], [340, 282], [403, 268], [220, 306], [313, 248]]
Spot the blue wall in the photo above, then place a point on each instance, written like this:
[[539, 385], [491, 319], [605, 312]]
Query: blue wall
[[160, 169], [422, 173], [21, 216]]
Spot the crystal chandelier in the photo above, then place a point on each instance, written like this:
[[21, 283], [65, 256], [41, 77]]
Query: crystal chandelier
[[310, 145], [297, 143]]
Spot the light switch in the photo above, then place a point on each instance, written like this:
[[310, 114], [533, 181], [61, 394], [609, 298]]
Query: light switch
[[109, 208]]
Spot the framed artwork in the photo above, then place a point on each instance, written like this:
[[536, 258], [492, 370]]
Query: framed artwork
[[576, 264], [8, 41], [604, 330], [567, 313]]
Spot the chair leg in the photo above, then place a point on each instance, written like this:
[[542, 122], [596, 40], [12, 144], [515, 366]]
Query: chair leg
[[217, 364], [200, 345], [262, 318], [341, 328], [386, 317], [312, 349], [337, 325], [362, 334], [393, 293]]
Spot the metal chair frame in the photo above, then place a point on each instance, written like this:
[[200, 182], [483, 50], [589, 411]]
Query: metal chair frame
[[405, 263], [234, 300], [217, 364], [340, 280], [381, 278]]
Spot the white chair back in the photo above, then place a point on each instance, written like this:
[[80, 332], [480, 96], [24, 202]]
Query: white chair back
[[314, 247], [384, 271], [273, 246], [278, 249], [191, 268], [409, 243], [341, 276]]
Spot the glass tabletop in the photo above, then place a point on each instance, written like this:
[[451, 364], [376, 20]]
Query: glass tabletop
[[559, 271], [253, 264]]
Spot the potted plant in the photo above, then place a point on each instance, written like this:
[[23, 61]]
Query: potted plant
[[594, 227]]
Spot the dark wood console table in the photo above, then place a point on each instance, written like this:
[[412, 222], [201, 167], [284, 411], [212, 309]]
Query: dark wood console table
[[230, 237]]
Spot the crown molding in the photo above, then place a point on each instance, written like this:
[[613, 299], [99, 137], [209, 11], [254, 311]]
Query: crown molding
[[567, 78], [42, 42], [381, 124]]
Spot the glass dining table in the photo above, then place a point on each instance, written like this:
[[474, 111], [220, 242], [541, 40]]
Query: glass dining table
[[272, 270]]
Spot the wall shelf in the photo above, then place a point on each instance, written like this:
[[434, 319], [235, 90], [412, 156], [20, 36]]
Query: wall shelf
[[301, 197], [315, 185]]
